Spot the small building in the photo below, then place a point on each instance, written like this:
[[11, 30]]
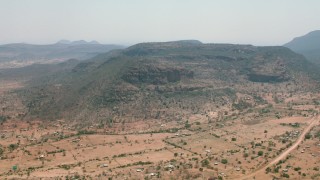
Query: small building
[[170, 166], [103, 165]]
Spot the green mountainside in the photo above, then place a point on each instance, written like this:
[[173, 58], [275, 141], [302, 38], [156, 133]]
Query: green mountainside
[[166, 80]]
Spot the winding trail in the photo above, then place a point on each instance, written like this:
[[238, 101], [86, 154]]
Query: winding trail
[[314, 122]]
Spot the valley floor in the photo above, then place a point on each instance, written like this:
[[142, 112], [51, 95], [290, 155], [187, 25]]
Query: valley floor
[[48, 151]]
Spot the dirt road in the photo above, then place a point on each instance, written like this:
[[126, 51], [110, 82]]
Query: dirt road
[[314, 122]]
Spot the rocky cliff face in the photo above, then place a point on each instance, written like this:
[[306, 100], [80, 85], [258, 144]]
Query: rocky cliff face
[[267, 78], [156, 74], [275, 71]]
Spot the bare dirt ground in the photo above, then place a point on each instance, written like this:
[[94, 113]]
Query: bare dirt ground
[[9, 85], [18, 64], [43, 153], [315, 122]]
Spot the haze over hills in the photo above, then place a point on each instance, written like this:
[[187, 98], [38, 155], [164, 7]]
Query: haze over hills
[[308, 45], [18, 55], [77, 42], [153, 80]]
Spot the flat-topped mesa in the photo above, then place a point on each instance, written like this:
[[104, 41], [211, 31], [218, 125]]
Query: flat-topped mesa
[[140, 78]]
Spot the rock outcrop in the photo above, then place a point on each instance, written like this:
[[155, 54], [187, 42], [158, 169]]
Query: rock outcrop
[[153, 74]]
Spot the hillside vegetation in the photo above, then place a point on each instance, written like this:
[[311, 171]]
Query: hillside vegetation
[[166, 80]]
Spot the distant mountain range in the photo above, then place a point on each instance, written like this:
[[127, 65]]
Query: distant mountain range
[[307, 45], [19, 54], [77, 42]]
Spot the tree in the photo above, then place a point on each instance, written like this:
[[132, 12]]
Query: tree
[[268, 170], [12, 147], [285, 175], [205, 162], [187, 125], [260, 153], [307, 136], [297, 168], [224, 161]]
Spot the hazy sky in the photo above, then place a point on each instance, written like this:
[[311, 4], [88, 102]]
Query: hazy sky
[[258, 22]]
